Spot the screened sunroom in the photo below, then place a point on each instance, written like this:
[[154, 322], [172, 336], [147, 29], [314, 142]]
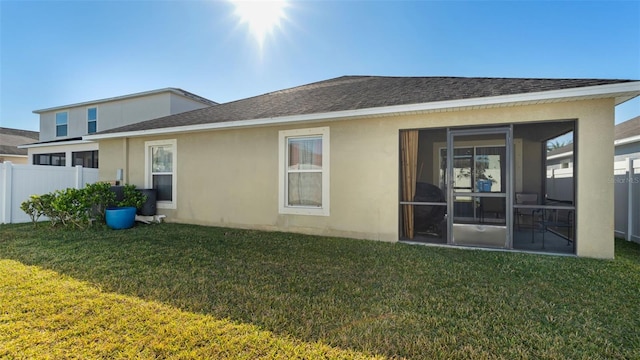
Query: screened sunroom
[[487, 187]]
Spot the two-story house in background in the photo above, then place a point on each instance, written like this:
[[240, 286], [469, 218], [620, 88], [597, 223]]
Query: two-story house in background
[[62, 127]]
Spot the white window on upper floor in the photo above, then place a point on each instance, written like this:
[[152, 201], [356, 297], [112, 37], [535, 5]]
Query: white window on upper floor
[[62, 119], [304, 171], [92, 120], [160, 170]]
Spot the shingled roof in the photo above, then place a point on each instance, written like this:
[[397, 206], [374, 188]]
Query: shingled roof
[[11, 138], [360, 92], [627, 129]]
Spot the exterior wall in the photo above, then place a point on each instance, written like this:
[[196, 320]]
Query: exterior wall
[[230, 177], [129, 111], [626, 150], [48, 126], [110, 115], [594, 191], [559, 163], [118, 113], [179, 104], [112, 158], [15, 159]]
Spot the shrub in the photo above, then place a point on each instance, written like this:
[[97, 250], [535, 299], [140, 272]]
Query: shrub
[[71, 207], [99, 196], [35, 206], [79, 207], [132, 197]]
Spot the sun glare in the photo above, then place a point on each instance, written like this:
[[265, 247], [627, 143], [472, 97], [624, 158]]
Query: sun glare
[[261, 16]]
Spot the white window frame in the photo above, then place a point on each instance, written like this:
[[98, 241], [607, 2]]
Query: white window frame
[[89, 121], [148, 178], [66, 124], [283, 160]]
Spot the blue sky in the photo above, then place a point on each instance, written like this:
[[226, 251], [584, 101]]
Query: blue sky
[[56, 53]]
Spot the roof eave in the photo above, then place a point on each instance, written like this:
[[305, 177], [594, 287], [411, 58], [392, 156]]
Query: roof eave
[[620, 92], [560, 155], [57, 143], [628, 140]]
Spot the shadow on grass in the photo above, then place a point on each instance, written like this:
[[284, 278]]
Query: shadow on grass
[[46, 315], [392, 299]]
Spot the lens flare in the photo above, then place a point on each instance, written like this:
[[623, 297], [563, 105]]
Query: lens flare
[[262, 17]]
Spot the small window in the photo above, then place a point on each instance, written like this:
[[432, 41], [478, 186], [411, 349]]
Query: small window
[[160, 160], [304, 171], [61, 124], [92, 120]]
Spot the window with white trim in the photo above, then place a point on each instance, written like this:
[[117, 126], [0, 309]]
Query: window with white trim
[[160, 170], [92, 120], [61, 123], [304, 171]]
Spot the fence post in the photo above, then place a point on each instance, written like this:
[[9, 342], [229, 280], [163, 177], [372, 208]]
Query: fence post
[[6, 193], [79, 177], [630, 173]]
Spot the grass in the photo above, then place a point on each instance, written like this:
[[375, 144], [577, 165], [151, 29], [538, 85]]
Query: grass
[[191, 291], [47, 315]]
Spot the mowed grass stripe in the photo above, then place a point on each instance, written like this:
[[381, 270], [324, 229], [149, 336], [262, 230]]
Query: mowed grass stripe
[[391, 299], [48, 315]]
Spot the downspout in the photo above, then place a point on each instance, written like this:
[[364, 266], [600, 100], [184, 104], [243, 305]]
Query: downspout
[[125, 160]]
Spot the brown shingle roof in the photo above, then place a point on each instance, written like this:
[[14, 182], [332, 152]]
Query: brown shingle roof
[[11, 138], [360, 92], [628, 128]]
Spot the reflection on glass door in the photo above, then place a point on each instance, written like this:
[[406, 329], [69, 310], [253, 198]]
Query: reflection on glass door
[[478, 193], [475, 169]]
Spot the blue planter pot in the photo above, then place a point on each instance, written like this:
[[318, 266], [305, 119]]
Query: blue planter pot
[[120, 217]]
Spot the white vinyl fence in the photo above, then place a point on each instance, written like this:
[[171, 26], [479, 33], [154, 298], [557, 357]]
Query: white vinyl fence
[[560, 184], [626, 183], [18, 182], [626, 180]]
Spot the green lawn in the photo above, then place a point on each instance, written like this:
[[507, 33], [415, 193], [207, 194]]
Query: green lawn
[[181, 291]]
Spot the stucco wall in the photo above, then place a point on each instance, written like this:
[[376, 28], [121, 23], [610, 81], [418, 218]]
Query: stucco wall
[[181, 104], [594, 189], [112, 114], [230, 177], [15, 159], [628, 150]]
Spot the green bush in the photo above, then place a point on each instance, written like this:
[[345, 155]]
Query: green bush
[[99, 196], [71, 207], [79, 207], [36, 206], [132, 197]]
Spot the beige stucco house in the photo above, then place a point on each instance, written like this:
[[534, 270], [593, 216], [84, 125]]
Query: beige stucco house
[[62, 127], [436, 160]]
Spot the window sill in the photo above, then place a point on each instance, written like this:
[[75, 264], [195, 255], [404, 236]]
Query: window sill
[[166, 205], [304, 211]]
